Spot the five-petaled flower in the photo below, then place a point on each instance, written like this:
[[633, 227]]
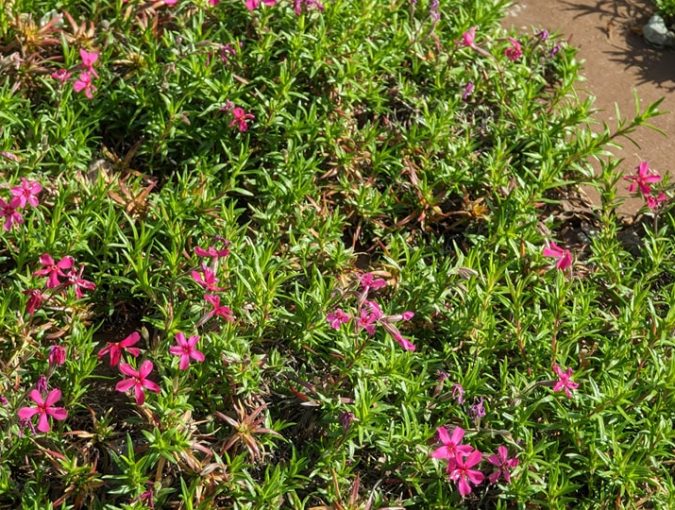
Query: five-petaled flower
[[563, 257], [206, 279], [138, 380], [75, 279], [503, 463], [53, 270], [337, 318], [9, 211], [84, 83], [27, 193], [218, 310], [452, 445], [369, 282], [643, 179], [187, 350], [564, 382], [462, 474], [44, 408], [115, 349]]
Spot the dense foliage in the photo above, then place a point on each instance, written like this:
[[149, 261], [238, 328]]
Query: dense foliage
[[292, 254]]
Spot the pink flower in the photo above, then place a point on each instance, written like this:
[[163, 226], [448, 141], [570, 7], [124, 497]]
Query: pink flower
[[214, 2], [503, 463], [368, 282], [254, 4], [35, 300], [369, 315], [452, 445], [212, 252], [44, 408], [137, 380], [52, 270], [9, 156], [643, 179], [241, 118], [469, 37], [337, 318], [206, 279], [75, 279], [218, 310], [9, 211], [396, 335], [170, 3], [563, 257], [564, 382], [654, 202], [115, 349], [57, 355], [83, 83], [515, 51], [468, 90], [300, 4], [27, 193], [41, 384], [89, 58], [186, 349], [462, 474], [61, 75]]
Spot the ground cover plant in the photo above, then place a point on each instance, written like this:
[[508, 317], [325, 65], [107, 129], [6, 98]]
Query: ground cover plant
[[332, 255]]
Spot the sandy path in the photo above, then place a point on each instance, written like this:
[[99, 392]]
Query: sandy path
[[617, 61]]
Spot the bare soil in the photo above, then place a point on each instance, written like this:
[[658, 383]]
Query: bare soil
[[618, 62]]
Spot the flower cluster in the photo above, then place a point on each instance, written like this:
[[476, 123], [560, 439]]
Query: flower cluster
[[642, 182], [370, 314], [462, 460], [84, 82], [23, 195]]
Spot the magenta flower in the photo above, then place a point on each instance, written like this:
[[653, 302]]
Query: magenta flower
[[503, 464], [53, 270], [368, 282], [564, 382], [337, 318], [89, 58], [468, 90], [477, 410], [35, 300], [462, 474], [654, 202], [41, 384], [83, 83], [299, 5], [115, 349], [563, 257], [186, 349], [57, 355], [75, 279], [27, 193], [212, 252], [44, 409], [138, 380], [218, 310], [241, 118], [643, 179], [61, 75], [469, 37], [369, 316], [397, 336], [214, 2], [206, 279], [514, 51], [254, 4], [9, 211], [452, 445], [170, 3]]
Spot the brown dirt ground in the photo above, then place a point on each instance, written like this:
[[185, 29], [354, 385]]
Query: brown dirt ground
[[617, 62]]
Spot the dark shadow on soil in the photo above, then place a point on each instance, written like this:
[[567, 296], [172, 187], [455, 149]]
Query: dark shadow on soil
[[624, 19]]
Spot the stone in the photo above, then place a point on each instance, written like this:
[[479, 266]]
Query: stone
[[656, 32]]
